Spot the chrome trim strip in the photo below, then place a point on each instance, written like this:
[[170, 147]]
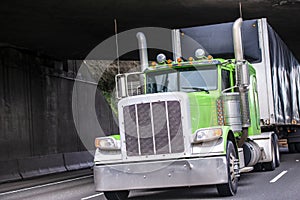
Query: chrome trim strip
[[152, 127], [137, 128], [168, 126]]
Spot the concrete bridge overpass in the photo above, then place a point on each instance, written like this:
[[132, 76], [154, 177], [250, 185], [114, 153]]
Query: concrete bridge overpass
[[40, 42]]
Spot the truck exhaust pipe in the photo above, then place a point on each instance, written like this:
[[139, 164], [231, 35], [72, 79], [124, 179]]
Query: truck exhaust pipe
[[176, 44], [237, 40], [242, 77], [242, 72], [143, 50]]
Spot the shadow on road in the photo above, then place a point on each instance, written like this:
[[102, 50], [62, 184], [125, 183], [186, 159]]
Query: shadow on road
[[205, 192]]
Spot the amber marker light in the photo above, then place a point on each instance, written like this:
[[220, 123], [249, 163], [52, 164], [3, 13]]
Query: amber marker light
[[218, 132]]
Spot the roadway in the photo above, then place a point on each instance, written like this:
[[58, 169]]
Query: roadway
[[283, 183]]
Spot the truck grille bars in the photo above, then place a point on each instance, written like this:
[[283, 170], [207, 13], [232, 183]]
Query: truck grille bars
[[153, 128]]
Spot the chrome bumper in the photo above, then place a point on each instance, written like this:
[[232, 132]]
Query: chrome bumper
[[161, 174]]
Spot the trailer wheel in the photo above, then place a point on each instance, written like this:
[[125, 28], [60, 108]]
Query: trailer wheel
[[297, 146], [292, 147], [230, 188], [117, 195]]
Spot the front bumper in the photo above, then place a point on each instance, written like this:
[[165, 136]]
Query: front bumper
[[161, 174]]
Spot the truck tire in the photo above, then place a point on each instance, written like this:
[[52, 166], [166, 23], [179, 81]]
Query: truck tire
[[292, 148], [297, 146], [270, 166], [117, 195], [230, 188]]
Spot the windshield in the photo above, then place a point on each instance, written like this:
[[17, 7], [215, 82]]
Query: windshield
[[187, 80]]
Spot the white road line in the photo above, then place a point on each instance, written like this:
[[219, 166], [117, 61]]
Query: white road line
[[45, 185], [95, 195], [278, 176]]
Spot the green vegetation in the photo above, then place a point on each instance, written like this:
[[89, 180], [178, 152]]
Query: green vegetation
[[104, 72]]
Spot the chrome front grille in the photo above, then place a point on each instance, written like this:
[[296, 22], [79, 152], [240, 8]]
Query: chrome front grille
[[153, 128]]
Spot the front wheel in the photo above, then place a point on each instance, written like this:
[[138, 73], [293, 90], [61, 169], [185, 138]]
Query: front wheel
[[277, 151], [230, 188], [117, 195], [270, 166]]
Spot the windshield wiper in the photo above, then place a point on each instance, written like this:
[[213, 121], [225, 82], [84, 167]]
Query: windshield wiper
[[198, 89]]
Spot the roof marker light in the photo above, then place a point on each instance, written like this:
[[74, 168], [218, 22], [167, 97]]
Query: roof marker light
[[161, 58], [199, 53]]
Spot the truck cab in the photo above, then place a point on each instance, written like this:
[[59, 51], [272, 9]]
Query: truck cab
[[183, 123]]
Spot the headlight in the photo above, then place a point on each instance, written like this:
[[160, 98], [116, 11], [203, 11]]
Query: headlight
[[206, 135], [107, 143]]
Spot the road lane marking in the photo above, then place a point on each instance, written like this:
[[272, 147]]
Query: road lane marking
[[95, 195], [278, 176], [45, 185]]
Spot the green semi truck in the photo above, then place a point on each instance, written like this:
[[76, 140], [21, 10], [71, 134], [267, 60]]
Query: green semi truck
[[195, 120]]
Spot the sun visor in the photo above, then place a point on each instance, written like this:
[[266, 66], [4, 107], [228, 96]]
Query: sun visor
[[217, 40]]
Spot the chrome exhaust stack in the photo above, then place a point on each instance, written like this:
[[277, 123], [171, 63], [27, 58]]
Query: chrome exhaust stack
[[237, 40], [143, 50], [176, 44], [242, 72]]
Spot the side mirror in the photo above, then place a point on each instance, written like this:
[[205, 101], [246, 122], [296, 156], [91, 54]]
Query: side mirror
[[120, 86], [129, 84]]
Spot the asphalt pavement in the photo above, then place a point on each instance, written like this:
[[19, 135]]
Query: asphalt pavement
[[282, 183]]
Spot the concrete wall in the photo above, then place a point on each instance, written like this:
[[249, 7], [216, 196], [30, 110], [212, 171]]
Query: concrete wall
[[36, 106]]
